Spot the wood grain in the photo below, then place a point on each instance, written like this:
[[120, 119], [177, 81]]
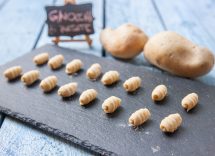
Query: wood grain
[[140, 13], [92, 129], [25, 140]]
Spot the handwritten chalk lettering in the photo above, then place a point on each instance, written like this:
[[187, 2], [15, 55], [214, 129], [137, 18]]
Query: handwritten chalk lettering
[[70, 20], [59, 16], [76, 28]]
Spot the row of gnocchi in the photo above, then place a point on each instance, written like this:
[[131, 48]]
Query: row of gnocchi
[[168, 124]]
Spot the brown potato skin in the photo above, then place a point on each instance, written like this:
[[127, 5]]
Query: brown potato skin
[[125, 42], [177, 55]]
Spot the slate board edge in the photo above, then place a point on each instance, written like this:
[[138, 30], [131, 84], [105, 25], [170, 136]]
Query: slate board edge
[[53, 131]]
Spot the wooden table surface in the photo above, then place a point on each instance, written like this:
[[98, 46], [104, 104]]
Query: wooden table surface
[[23, 28]]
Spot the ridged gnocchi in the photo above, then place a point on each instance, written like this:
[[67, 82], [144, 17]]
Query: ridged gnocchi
[[189, 101], [56, 61], [139, 117], [159, 93], [41, 58], [132, 84], [87, 96], [48, 83], [68, 89], [13, 72], [171, 123], [111, 104], [110, 77], [73, 66], [94, 71], [30, 77]]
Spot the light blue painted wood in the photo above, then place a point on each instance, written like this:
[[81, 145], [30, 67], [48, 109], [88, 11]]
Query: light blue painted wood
[[17, 139], [180, 17], [140, 13], [21, 22]]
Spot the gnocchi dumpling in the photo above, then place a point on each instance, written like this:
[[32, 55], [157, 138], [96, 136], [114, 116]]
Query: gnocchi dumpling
[[189, 101], [13, 72], [132, 84], [171, 123], [56, 61], [87, 96], [30, 77], [68, 89], [139, 117], [110, 77], [94, 71], [111, 104], [159, 93], [41, 58], [73, 66], [48, 83]]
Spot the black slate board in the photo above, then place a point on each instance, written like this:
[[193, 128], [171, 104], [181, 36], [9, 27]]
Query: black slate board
[[110, 134]]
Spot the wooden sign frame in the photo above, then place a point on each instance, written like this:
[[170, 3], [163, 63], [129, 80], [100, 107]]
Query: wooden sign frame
[[86, 38]]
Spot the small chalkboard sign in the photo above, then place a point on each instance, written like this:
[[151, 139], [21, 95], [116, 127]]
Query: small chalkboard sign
[[70, 20]]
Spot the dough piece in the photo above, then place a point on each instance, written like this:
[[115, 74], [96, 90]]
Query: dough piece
[[110, 77], [48, 83], [139, 117], [111, 104], [73, 66], [159, 93], [171, 123], [67, 89], [94, 71], [189, 101], [30, 77], [132, 84], [56, 61], [87, 96], [41, 58], [13, 72]]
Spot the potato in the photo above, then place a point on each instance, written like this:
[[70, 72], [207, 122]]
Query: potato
[[177, 55], [125, 42]]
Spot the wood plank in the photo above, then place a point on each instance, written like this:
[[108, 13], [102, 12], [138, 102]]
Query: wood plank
[[140, 13], [91, 128], [96, 46], [21, 21], [181, 17], [19, 139]]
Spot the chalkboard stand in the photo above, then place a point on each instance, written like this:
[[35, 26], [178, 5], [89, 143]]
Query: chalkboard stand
[[87, 38]]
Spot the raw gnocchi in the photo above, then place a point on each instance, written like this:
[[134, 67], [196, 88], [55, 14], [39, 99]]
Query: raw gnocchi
[[87, 96], [30, 77], [139, 117], [159, 93], [56, 61], [73, 66], [111, 104], [48, 83], [13, 72], [41, 58], [110, 77], [132, 84], [189, 101], [67, 89], [94, 71], [171, 123]]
